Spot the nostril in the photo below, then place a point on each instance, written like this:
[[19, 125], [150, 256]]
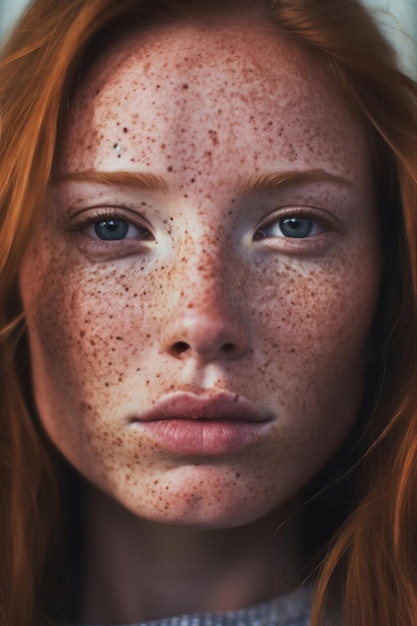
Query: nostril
[[179, 347]]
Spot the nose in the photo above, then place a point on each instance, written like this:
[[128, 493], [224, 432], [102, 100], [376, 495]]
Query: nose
[[205, 326]]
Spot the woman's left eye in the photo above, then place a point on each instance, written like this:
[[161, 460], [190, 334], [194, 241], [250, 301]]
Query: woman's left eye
[[291, 227], [116, 229]]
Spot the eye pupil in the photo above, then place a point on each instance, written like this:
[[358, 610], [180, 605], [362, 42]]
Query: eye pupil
[[111, 229], [296, 226]]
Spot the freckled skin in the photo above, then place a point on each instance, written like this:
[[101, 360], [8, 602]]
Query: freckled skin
[[206, 109]]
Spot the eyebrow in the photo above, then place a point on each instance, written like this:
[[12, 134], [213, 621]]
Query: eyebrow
[[152, 182], [138, 180], [274, 180]]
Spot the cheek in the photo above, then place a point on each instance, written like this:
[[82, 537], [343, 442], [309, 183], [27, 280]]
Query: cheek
[[312, 324], [86, 335], [91, 320], [314, 310]]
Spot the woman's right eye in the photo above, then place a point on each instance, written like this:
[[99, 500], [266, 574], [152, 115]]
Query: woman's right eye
[[116, 229]]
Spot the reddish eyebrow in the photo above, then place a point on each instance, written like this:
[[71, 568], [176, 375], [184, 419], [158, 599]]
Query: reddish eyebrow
[[287, 179], [138, 180], [151, 182]]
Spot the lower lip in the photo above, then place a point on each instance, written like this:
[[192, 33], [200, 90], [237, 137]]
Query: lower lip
[[198, 437]]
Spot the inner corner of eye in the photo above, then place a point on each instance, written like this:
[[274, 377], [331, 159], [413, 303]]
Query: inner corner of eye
[[259, 235]]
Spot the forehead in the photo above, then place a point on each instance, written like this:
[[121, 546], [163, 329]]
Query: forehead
[[210, 93]]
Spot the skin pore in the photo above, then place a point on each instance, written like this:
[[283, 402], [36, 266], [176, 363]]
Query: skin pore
[[247, 267]]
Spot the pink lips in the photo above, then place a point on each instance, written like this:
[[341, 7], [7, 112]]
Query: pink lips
[[191, 424]]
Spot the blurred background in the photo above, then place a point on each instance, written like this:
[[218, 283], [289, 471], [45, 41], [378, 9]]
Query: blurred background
[[397, 17]]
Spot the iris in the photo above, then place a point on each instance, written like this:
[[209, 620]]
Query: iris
[[296, 226], [111, 229]]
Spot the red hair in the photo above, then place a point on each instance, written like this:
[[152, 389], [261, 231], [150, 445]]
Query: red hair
[[375, 552]]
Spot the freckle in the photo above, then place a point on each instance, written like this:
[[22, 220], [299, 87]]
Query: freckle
[[125, 130]]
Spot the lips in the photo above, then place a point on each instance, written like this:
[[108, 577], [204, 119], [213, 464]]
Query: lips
[[187, 406], [186, 423]]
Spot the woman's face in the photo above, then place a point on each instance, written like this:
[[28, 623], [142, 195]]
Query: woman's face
[[202, 282]]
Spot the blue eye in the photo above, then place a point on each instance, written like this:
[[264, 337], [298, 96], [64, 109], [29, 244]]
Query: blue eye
[[296, 226], [116, 229], [110, 230], [291, 227]]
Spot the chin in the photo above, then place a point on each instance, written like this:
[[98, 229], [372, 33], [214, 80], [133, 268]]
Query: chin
[[203, 517], [199, 507]]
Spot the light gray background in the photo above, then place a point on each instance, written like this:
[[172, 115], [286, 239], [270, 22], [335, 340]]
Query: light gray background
[[398, 17]]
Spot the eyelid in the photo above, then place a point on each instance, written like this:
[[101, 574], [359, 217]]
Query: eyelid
[[326, 219]]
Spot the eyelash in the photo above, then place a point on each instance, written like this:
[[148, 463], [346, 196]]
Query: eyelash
[[107, 215], [318, 221]]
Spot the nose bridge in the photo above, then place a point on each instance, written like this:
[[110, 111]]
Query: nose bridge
[[206, 278], [206, 320]]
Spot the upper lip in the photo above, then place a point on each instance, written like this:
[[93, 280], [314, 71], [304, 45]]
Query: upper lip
[[190, 406]]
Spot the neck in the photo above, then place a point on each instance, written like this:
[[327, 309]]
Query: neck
[[138, 570]]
